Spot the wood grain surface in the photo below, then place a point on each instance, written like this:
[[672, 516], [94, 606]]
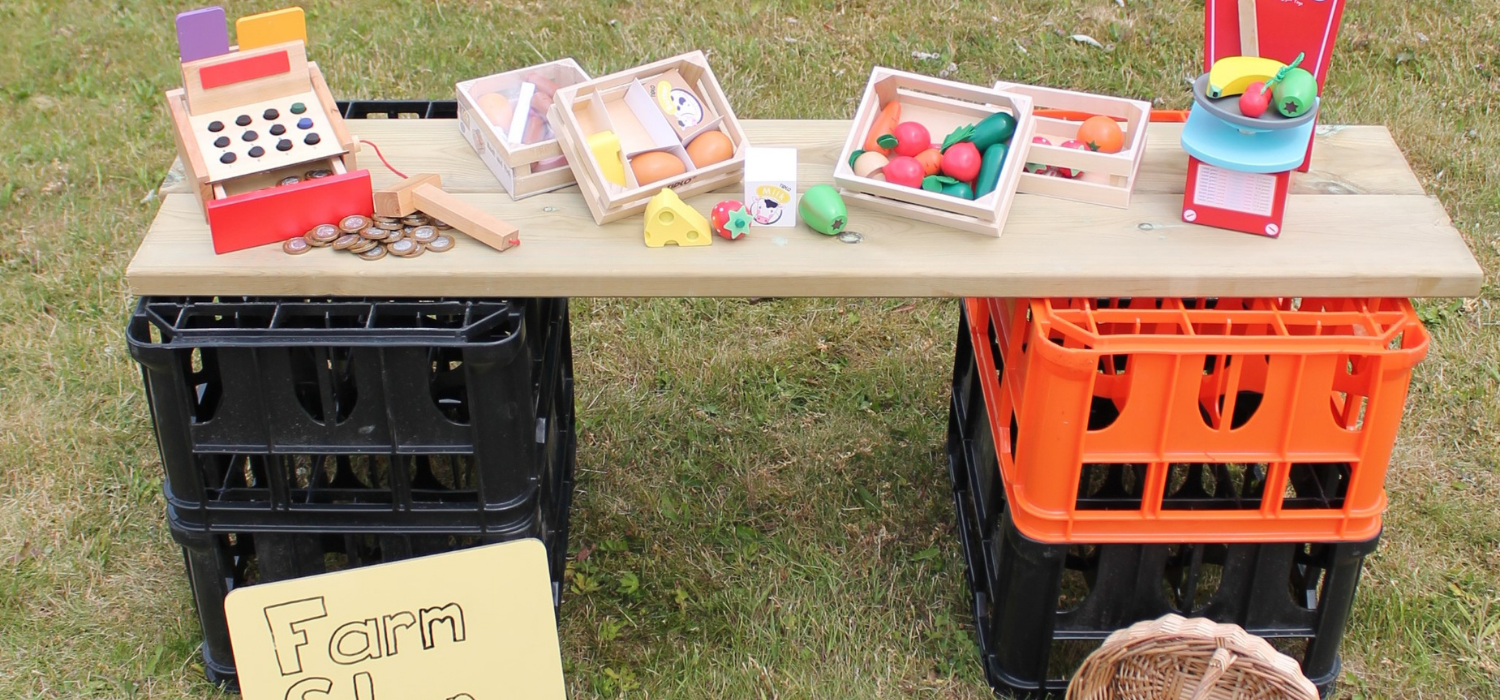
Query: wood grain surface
[[1357, 224]]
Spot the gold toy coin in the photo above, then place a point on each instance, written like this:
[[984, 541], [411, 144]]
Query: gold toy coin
[[345, 241], [323, 234], [403, 247], [441, 244], [289, 180], [375, 253], [375, 234], [363, 245], [424, 234], [353, 224], [415, 220], [439, 225], [296, 246], [390, 225], [317, 174], [394, 236]]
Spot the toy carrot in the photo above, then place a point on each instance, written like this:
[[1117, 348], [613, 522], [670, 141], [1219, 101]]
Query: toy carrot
[[881, 129]]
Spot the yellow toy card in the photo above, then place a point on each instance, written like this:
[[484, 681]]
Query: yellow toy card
[[268, 28]]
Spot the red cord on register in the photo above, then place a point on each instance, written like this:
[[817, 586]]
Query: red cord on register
[[381, 156]]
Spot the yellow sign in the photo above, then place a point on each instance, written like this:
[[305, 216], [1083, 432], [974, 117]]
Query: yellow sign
[[475, 624]]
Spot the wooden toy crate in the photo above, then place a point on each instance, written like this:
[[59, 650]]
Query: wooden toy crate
[[523, 169], [1108, 178], [941, 106], [601, 104]]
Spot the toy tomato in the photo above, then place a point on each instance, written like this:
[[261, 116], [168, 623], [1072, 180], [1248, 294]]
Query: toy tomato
[[904, 170], [961, 161], [931, 160], [1040, 168], [911, 138], [1072, 172], [730, 219], [1101, 134]]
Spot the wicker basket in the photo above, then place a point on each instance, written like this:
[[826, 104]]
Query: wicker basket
[[1176, 658]]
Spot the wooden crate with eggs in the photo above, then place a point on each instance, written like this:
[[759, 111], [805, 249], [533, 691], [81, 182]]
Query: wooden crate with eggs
[[666, 125], [504, 118], [935, 150], [1085, 148]]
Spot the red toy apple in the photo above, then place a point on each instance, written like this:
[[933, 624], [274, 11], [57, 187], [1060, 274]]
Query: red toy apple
[[961, 161], [911, 138], [730, 219], [1255, 100], [904, 170]]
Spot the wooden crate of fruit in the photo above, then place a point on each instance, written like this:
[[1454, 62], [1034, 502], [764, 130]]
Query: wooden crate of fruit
[[530, 162], [935, 150], [1086, 148], [666, 125]]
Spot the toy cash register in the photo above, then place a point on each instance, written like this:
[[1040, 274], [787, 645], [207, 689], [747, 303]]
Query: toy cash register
[[262, 141]]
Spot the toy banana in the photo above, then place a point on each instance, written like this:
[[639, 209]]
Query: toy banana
[[1233, 75]]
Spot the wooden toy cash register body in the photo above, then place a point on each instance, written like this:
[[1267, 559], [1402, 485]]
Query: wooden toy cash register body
[[261, 139]]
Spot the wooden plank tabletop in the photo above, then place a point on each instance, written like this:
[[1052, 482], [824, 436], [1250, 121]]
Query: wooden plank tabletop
[[1358, 224]]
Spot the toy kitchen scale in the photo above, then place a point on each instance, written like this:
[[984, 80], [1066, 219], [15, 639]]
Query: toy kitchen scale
[[258, 132], [1255, 110]]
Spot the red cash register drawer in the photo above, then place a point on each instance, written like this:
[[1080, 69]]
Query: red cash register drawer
[[275, 214]]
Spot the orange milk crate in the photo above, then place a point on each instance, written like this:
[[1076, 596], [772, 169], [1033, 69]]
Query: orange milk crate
[[1183, 421]]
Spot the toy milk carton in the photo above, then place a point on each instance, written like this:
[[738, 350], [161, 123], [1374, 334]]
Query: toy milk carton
[[771, 186]]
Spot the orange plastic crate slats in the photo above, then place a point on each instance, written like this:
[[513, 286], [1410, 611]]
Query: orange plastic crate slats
[[1307, 392]]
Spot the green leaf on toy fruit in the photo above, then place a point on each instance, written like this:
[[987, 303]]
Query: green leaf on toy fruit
[[959, 135], [932, 183], [887, 141], [855, 156], [946, 180]]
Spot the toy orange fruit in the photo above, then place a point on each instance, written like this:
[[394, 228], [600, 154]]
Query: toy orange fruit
[[1102, 134]]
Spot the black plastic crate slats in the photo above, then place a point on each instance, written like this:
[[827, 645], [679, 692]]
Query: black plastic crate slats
[[1039, 607], [224, 322], [353, 411]]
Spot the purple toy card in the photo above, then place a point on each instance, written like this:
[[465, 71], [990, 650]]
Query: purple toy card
[[202, 34]]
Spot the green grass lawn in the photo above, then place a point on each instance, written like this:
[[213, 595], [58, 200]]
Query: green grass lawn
[[767, 517]]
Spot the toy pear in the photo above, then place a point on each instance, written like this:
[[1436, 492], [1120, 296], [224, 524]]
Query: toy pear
[[823, 209]]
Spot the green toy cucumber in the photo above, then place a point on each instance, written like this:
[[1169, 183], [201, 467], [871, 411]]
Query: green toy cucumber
[[996, 128], [959, 189], [989, 169]]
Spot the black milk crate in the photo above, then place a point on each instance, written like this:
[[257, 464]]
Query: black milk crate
[[1039, 608], [354, 414], [399, 109], [218, 563]]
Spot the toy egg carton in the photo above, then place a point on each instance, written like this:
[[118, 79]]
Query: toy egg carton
[[632, 106]]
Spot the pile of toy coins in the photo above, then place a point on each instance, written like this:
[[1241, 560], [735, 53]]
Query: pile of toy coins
[[373, 239]]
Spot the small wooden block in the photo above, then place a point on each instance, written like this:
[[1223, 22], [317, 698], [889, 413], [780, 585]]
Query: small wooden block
[[269, 28], [466, 218], [396, 200]]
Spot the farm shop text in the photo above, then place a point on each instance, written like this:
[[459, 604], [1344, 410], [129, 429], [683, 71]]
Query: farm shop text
[[300, 626]]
